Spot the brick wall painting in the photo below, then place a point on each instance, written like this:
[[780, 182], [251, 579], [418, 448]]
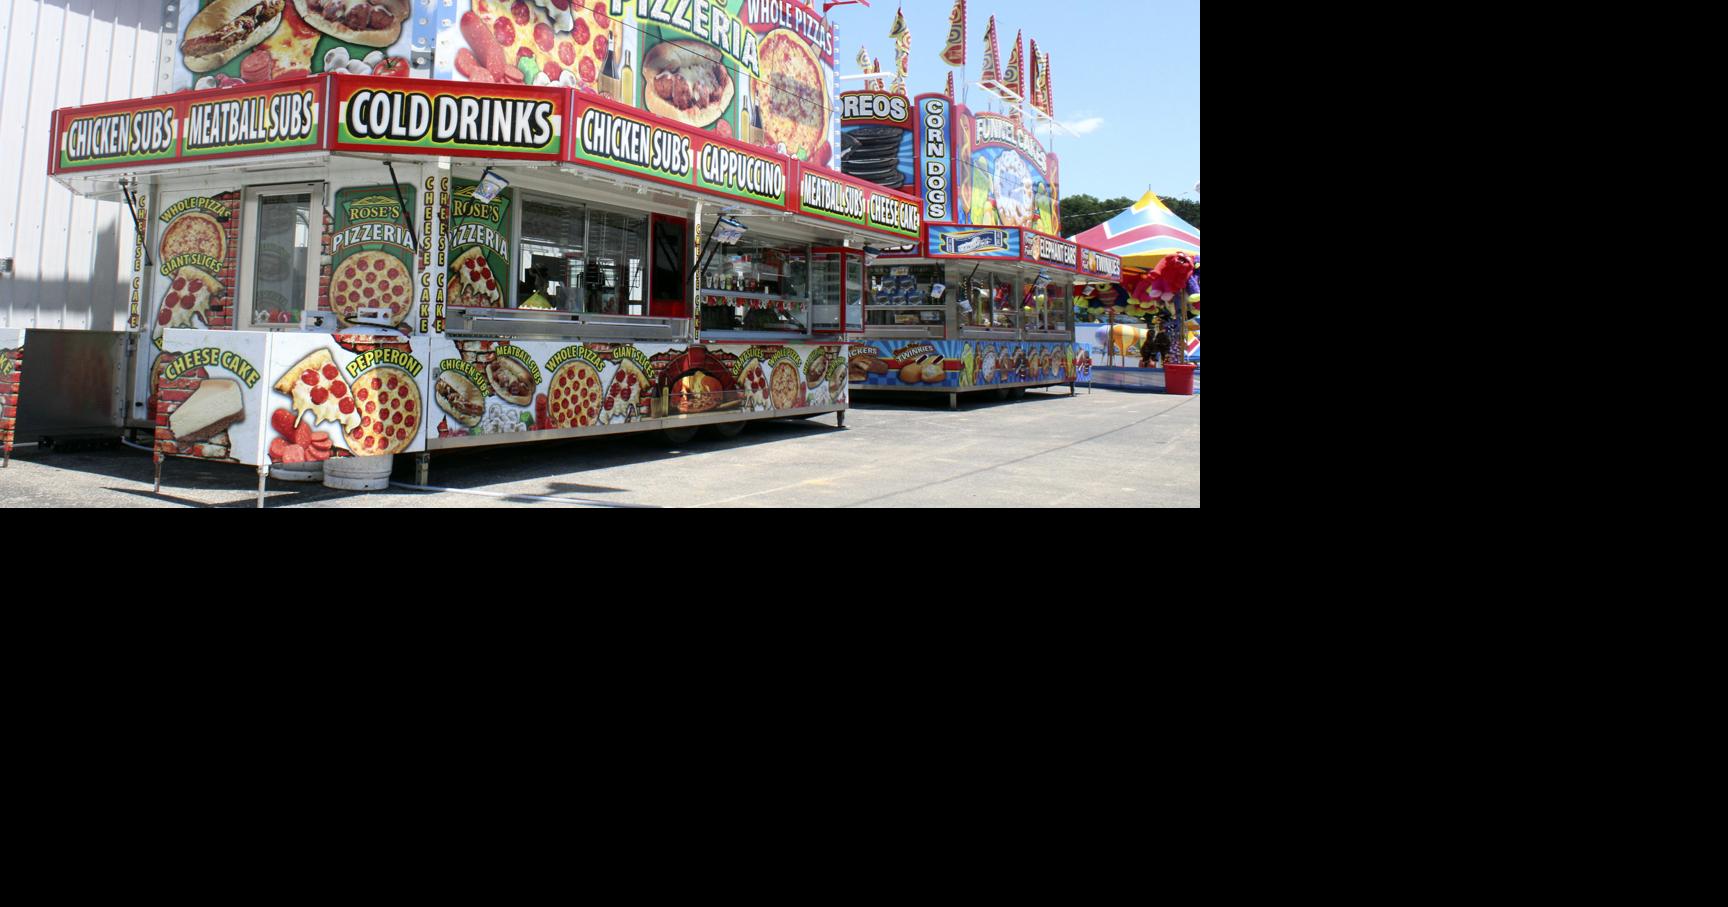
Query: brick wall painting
[[11, 380], [195, 283]]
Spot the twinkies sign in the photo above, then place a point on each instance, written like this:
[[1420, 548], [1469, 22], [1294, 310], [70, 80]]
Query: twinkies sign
[[441, 118]]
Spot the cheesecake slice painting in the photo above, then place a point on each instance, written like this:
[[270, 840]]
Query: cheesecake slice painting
[[215, 405], [209, 394]]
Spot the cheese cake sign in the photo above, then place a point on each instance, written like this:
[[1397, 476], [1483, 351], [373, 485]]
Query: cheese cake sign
[[210, 396]]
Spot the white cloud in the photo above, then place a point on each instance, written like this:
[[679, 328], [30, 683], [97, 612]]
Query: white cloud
[[1086, 126]]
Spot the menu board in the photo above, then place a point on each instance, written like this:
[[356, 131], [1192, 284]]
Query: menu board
[[229, 43], [758, 71]]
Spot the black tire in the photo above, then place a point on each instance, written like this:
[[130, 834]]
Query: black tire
[[678, 436], [728, 430]]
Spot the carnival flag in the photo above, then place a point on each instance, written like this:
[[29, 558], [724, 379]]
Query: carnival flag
[[955, 53], [898, 30], [1036, 63], [1012, 80], [864, 60], [876, 67], [902, 51], [1044, 88], [992, 57]]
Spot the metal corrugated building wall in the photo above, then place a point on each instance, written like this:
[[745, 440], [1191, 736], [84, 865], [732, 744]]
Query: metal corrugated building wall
[[72, 261]]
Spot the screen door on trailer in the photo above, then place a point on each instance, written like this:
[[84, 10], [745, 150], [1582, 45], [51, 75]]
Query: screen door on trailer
[[279, 255]]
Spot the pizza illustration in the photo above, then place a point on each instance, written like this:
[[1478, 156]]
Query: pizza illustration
[[755, 383], [190, 294], [315, 384], [472, 282], [573, 396], [194, 233], [791, 93], [783, 386], [685, 82], [535, 42], [624, 398], [388, 401], [371, 280]]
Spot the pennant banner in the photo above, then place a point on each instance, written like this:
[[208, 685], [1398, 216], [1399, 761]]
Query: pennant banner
[[1013, 77], [954, 54], [992, 57]]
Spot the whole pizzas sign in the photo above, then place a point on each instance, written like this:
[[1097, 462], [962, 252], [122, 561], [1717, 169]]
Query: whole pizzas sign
[[372, 259]]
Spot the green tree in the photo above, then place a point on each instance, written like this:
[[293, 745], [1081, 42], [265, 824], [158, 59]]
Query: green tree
[[1187, 210], [1083, 212]]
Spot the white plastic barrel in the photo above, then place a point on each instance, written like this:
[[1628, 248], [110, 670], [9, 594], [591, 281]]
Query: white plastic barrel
[[297, 472], [358, 473]]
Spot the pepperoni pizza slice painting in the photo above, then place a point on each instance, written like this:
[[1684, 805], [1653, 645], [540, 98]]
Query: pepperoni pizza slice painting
[[346, 395]]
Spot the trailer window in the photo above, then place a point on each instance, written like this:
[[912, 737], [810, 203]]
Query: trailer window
[[279, 259]]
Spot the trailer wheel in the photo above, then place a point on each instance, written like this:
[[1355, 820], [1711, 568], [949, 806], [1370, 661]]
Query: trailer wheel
[[728, 429], [678, 436]]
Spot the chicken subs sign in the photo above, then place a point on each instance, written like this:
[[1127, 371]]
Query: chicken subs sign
[[206, 125], [380, 114]]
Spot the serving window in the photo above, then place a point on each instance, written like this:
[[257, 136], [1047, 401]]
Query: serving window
[[908, 294], [1051, 308], [990, 302], [757, 287], [579, 258]]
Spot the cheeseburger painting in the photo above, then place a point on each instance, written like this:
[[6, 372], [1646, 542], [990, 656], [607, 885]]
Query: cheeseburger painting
[[225, 43]]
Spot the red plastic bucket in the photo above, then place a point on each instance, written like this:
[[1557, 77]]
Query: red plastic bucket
[[1179, 378]]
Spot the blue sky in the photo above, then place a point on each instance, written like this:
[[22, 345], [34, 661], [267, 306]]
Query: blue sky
[[1127, 76]]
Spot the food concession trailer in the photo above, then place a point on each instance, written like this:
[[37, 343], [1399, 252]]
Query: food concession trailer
[[585, 297], [983, 300]]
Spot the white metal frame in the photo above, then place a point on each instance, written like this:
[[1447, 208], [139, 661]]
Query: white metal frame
[[249, 238]]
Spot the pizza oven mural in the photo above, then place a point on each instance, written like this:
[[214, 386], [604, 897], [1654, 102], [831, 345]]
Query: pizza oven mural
[[758, 72], [984, 169]]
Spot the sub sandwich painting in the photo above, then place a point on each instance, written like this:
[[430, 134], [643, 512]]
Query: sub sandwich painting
[[228, 43]]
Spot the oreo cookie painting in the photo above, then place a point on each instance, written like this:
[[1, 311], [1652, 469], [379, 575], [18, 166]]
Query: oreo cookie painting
[[879, 154]]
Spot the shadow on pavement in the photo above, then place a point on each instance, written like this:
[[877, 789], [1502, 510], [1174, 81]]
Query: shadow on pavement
[[912, 401]]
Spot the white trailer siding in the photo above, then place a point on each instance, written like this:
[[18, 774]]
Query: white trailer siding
[[72, 263]]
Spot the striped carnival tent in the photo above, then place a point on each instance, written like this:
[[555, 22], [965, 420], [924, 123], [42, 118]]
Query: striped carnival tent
[[1143, 234]]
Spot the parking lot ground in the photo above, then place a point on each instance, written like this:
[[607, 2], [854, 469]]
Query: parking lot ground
[[1098, 449]]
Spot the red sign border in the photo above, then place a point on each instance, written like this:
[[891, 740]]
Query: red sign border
[[181, 102], [347, 85]]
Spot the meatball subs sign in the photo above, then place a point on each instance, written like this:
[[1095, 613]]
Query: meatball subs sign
[[236, 122]]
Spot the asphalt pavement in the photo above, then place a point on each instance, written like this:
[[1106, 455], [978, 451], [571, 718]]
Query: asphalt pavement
[[1098, 449]]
